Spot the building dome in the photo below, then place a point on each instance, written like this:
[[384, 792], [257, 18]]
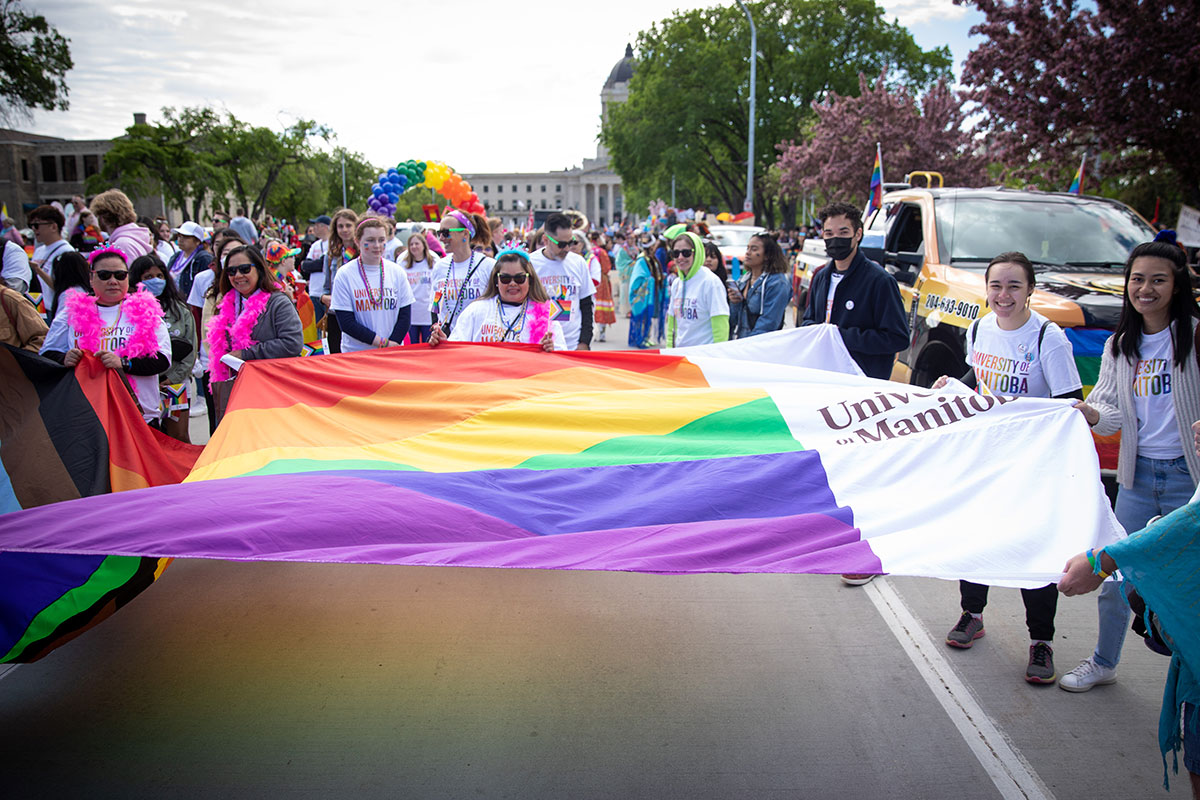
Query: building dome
[[622, 71]]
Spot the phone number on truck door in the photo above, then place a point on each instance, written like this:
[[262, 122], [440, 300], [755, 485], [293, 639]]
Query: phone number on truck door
[[948, 305]]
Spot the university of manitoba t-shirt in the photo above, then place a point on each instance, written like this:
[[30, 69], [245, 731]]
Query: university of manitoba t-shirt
[[457, 284], [1012, 363], [114, 333], [1158, 431], [694, 303], [377, 312], [567, 282], [489, 320]]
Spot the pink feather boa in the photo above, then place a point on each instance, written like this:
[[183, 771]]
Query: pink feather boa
[[539, 321], [140, 309], [229, 331]]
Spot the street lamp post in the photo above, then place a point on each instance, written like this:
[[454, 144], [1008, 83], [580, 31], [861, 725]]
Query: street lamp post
[[344, 179], [749, 204]]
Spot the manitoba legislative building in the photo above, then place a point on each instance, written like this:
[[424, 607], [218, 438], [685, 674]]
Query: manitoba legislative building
[[593, 188]]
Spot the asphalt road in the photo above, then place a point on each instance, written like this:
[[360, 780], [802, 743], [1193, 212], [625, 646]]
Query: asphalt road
[[307, 680]]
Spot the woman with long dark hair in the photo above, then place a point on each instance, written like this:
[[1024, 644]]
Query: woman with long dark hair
[[757, 303], [340, 250], [1149, 390]]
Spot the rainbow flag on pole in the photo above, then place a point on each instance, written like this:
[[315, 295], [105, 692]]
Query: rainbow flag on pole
[[1077, 181], [771, 454], [875, 202]]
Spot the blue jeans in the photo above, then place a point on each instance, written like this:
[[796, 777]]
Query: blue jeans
[[1159, 487], [419, 333]]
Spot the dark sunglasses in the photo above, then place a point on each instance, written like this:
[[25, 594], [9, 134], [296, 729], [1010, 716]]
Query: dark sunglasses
[[444, 233], [556, 241], [518, 278], [682, 253], [109, 274], [245, 269]]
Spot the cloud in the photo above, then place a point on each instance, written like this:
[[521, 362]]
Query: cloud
[[913, 12]]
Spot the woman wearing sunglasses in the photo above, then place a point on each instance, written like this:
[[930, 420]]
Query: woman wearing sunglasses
[[126, 332], [371, 296], [699, 307], [462, 275], [513, 308], [255, 319]]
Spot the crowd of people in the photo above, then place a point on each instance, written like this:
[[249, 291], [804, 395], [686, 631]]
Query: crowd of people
[[163, 305]]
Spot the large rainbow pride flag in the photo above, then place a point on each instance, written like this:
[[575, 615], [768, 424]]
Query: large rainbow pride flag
[[738, 457]]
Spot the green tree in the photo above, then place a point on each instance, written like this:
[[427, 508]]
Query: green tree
[[314, 186], [34, 61], [688, 109], [255, 157], [174, 157]]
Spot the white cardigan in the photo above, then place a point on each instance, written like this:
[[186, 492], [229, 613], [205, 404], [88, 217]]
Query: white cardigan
[[1112, 396]]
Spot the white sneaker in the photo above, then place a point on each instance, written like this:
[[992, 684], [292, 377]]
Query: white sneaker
[[857, 580], [1087, 675]]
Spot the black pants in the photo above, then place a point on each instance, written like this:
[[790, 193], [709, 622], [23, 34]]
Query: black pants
[[333, 332], [209, 403], [1040, 606]]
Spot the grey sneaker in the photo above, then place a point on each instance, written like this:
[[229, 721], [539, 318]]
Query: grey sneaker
[[1087, 675], [964, 634], [1041, 664]]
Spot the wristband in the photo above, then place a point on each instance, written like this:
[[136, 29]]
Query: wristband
[[1094, 559]]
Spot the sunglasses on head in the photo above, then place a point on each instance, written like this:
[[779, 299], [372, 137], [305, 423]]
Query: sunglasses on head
[[682, 253], [244, 269], [444, 233], [519, 278], [109, 274]]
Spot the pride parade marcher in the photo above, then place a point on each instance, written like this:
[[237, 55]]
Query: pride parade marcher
[[1015, 351], [513, 308], [605, 311], [202, 301], [462, 275], [47, 223], [339, 250], [114, 211], [646, 290], [418, 266], [568, 283], [20, 323], [1149, 390], [281, 260], [758, 302], [191, 259], [371, 296], [125, 331], [255, 319], [699, 309], [150, 273]]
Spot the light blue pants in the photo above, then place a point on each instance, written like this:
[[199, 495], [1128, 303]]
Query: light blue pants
[[1159, 487]]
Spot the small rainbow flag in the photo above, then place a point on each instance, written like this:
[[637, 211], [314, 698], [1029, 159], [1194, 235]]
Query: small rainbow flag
[[875, 202], [1077, 181]]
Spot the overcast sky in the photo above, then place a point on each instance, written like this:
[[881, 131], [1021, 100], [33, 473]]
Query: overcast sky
[[462, 82]]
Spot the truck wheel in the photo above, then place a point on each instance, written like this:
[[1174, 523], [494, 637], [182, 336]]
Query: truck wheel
[[936, 360]]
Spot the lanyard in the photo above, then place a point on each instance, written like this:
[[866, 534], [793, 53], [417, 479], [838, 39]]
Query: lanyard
[[508, 330], [362, 273], [471, 267]]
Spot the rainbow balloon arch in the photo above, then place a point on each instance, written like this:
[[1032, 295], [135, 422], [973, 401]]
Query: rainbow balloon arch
[[386, 191]]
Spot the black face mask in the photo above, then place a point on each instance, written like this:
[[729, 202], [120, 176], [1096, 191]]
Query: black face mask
[[839, 247]]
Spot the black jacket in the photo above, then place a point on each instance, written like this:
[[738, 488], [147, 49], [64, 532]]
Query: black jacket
[[867, 310]]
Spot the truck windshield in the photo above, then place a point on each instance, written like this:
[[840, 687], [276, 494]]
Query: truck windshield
[[1051, 231]]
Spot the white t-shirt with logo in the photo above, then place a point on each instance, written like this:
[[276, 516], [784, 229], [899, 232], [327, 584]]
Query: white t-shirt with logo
[[1009, 363], [420, 280], [489, 320], [834, 280], [350, 293], [46, 255], [316, 280], [200, 287], [115, 331], [1158, 432], [694, 303], [567, 282], [457, 284]]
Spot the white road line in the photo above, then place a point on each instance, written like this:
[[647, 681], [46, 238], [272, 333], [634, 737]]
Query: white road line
[[7, 669], [1009, 771]]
